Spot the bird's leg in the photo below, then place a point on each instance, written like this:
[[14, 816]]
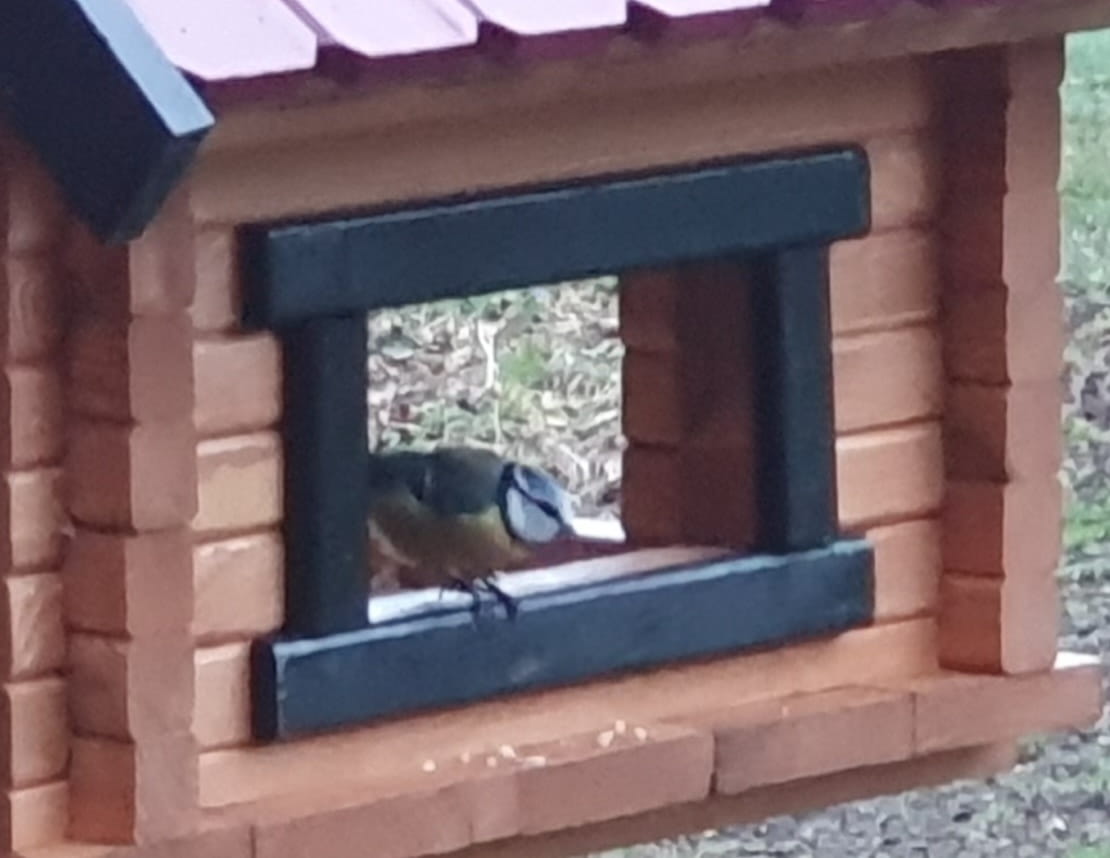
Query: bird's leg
[[464, 586], [507, 601]]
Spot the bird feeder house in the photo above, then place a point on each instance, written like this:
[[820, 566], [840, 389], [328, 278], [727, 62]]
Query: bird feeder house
[[835, 227]]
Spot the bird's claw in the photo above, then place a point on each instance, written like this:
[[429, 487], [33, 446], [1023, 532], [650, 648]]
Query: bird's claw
[[461, 585], [507, 601], [471, 587]]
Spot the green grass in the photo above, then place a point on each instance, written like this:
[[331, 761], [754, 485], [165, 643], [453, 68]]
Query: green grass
[[1085, 271], [1085, 178], [1090, 852]]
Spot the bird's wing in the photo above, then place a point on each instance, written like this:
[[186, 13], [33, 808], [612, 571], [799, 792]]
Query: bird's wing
[[399, 470], [463, 481]]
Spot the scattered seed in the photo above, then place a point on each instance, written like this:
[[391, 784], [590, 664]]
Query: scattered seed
[[620, 727], [605, 739], [535, 762], [465, 757], [429, 765], [640, 733], [508, 752], [491, 762]]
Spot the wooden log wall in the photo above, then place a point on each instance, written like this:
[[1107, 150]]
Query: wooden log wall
[[1004, 336], [172, 462], [131, 492], [33, 721], [695, 445], [885, 295], [237, 556]]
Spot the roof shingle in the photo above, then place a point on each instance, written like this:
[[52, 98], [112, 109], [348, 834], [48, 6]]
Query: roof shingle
[[381, 28], [227, 40], [531, 18]]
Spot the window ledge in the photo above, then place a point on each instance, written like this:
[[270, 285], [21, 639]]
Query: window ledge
[[688, 609]]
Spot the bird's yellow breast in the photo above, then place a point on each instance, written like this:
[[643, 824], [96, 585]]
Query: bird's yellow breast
[[438, 546]]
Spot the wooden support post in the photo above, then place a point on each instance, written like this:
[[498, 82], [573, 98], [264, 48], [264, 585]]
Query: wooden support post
[[131, 477], [1003, 345], [794, 401], [325, 476], [34, 735]]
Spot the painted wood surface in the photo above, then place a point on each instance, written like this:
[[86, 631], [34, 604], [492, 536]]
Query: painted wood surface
[[795, 428], [635, 621], [390, 27], [229, 38], [311, 281], [327, 494], [105, 75], [359, 264], [528, 18], [234, 39]]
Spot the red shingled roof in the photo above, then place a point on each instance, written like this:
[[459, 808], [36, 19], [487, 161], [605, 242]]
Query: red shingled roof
[[224, 40]]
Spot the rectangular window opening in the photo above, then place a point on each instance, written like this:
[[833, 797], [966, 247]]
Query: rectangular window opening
[[678, 378], [532, 374]]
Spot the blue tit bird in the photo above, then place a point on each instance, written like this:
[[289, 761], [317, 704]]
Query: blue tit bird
[[453, 516]]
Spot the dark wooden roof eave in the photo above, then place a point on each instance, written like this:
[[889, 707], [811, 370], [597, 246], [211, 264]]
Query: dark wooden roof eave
[[111, 119]]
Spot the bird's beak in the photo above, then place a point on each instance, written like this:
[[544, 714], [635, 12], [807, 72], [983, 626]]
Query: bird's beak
[[596, 530]]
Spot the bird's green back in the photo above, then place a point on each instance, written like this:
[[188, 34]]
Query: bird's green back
[[448, 481]]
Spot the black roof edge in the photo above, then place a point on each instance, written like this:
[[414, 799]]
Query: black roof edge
[[111, 119]]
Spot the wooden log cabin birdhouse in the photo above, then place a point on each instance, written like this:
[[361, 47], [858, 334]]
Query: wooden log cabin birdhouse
[[835, 228]]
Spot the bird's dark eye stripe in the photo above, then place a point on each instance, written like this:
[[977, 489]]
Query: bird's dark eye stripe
[[546, 505], [549, 508]]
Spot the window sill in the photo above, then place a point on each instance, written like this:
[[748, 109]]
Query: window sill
[[614, 618]]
